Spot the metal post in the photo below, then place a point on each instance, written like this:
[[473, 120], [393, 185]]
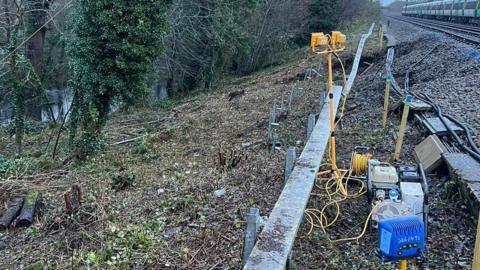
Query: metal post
[[251, 232], [323, 96], [282, 107], [310, 124], [289, 162], [403, 124], [333, 157], [386, 102], [272, 118], [274, 109], [290, 98], [274, 142], [476, 254], [271, 121], [403, 265]]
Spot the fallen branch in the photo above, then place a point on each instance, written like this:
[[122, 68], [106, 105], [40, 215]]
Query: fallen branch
[[129, 140], [367, 69], [12, 212], [251, 144], [144, 123], [28, 211], [253, 127]]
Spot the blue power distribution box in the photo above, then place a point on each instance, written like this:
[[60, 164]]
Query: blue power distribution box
[[401, 238]]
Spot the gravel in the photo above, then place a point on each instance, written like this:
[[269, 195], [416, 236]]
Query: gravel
[[450, 75]]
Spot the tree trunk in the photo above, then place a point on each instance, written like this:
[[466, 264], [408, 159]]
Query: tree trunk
[[18, 102], [35, 50], [11, 213], [36, 43], [7, 27], [28, 211]]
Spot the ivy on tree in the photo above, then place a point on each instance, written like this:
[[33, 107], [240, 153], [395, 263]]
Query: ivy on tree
[[111, 48]]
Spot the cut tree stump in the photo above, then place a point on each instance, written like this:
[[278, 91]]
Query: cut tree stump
[[73, 200], [11, 213], [235, 94], [28, 211]]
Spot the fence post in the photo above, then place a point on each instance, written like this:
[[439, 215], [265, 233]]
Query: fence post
[[275, 142], [381, 38], [289, 162], [290, 97], [272, 118], [271, 121], [251, 232], [386, 102], [310, 124], [403, 124], [321, 103]]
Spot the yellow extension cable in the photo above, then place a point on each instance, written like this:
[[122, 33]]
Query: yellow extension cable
[[337, 191], [337, 186]]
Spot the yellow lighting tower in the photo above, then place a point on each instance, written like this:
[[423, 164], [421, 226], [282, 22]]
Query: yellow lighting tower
[[329, 44]]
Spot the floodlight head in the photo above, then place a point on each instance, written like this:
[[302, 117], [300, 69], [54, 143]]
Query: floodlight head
[[319, 42], [322, 44], [337, 41]]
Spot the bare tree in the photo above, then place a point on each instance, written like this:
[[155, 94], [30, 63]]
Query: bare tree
[[210, 37], [22, 31]]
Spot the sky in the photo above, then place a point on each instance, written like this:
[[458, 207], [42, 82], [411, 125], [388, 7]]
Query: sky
[[386, 2]]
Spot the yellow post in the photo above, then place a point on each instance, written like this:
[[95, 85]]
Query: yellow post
[[403, 265], [322, 44], [381, 38], [403, 124], [386, 102], [476, 254], [333, 157]]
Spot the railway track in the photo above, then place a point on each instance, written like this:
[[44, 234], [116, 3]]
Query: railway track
[[466, 33], [463, 143]]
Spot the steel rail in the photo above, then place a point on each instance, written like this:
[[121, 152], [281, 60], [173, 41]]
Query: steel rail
[[439, 22], [457, 32], [456, 27]]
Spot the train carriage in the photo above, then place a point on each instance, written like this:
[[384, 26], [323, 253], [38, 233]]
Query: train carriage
[[465, 11], [472, 9]]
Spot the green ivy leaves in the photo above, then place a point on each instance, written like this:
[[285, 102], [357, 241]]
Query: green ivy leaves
[[111, 48]]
